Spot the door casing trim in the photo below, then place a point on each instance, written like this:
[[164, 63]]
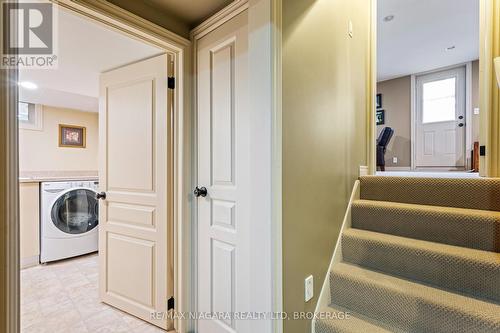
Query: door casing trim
[[485, 42], [136, 27]]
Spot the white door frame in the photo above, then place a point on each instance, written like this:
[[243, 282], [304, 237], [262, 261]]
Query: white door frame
[[264, 55], [136, 27], [484, 42], [468, 112]]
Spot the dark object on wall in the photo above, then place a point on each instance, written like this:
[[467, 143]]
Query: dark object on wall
[[482, 150], [379, 101], [383, 140], [380, 117]]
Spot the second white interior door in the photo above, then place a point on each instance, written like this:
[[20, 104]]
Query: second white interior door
[[135, 222], [224, 170], [440, 119]]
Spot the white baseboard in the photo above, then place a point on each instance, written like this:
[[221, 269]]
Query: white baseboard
[[30, 261], [363, 170], [397, 168]]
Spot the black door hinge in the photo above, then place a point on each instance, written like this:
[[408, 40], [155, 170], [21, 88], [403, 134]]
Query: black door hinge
[[170, 303], [482, 150], [171, 83]]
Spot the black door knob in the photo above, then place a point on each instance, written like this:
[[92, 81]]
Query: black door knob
[[200, 192], [101, 195], [460, 125], [460, 117]]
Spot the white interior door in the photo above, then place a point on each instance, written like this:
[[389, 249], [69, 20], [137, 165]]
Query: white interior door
[[440, 119], [135, 168], [224, 170]]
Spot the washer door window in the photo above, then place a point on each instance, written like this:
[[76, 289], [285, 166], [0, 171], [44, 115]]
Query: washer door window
[[76, 212]]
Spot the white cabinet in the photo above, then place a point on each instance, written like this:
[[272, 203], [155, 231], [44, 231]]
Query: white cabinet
[[29, 219]]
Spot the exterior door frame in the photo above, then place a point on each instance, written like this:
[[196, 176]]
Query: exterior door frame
[[485, 69], [468, 112], [136, 27], [267, 50]]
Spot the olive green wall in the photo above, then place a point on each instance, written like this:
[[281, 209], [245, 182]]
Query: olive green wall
[[324, 136], [155, 15]]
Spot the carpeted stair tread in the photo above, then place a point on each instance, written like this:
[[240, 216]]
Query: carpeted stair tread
[[355, 323], [472, 228], [459, 269], [480, 193], [409, 306]]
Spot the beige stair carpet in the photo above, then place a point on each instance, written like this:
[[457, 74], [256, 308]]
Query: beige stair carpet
[[422, 256]]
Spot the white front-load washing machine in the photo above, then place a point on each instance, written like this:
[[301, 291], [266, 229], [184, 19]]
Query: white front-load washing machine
[[69, 219]]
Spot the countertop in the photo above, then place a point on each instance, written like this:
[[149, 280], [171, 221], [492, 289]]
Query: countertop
[[54, 176]]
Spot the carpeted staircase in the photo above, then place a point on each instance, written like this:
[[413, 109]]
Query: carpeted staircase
[[422, 255]]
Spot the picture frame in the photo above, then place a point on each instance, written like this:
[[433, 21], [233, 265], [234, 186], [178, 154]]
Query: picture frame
[[380, 117], [71, 136], [379, 101]]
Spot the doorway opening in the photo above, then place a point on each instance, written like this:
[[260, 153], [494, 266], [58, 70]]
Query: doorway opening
[[427, 102], [96, 166]]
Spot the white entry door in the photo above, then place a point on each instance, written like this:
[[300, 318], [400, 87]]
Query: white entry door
[[440, 119], [224, 171], [135, 167]]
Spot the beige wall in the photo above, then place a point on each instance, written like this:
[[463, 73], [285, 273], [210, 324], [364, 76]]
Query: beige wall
[[324, 136], [489, 165], [40, 151], [396, 101]]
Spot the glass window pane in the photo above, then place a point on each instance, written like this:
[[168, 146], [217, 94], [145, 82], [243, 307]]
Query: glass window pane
[[23, 113], [439, 101]]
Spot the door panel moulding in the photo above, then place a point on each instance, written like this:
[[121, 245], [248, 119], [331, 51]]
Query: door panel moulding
[[264, 20]]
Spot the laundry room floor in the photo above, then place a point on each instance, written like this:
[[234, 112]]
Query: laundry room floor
[[63, 297]]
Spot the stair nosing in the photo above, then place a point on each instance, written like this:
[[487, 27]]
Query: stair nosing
[[415, 243], [389, 281], [416, 206], [339, 308]]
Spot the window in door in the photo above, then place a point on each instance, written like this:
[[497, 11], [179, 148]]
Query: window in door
[[439, 101]]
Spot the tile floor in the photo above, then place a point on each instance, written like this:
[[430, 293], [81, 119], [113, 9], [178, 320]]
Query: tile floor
[[63, 297]]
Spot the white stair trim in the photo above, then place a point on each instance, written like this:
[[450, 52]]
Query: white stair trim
[[325, 295]]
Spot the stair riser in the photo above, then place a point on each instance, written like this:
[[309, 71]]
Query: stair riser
[[404, 312], [460, 274], [475, 231], [465, 193]]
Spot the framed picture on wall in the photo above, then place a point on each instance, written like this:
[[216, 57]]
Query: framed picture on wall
[[380, 117], [379, 101], [72, 136]]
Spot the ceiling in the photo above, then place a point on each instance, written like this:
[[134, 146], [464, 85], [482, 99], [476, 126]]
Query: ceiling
[[192, 12], [86, 49], [416, 40]]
